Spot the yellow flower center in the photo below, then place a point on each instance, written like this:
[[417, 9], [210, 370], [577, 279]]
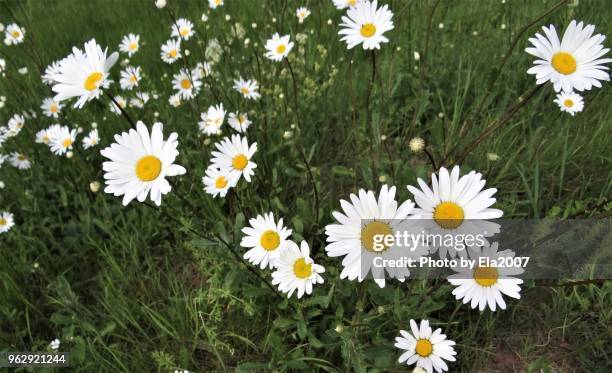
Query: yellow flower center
[[301, 269], [368, 30], [370, 231], [218, 2], [281, 49], [564, 63], [424, 347], [269, 240], [16, 34], [568, 103], [173, 53], [240, 119], [53, 108], [240, 162], [2, 222], [352, 2], [45, 139], [185, 83], [221, 182], [485, 276], [244, 91], [448, 215], [67, 143], [93, 81], [148, 168], [133, 46], [21, 157], [184, 31], [133, 79]]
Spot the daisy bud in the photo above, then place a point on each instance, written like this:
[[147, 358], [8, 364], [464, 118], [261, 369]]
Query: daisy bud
[[492, 157], [329, 22], [156, 114], [227, 17], [287, 135], [187, 52], [382, 178], [204, 17], [2, 185], [417, 56], [274, 20], [1, 104], [1, 27], [206, 141], [94, 125], [440, 115], [79, 129], [36, 265], [416, 144], [253, 25], [398, 48], [160, 4], [474, 33], [503, 26], [69, 154], [94, 186], [380, 310], [440, 25], [383, 137], [23, 70], [339, 328]]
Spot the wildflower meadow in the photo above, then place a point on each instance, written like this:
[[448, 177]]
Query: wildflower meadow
[[305, 185]]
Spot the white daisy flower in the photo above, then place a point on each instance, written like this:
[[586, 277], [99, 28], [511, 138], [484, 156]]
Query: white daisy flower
[[183, 29], [573, 63], [217, 182], [570, 102], [213, 4], [235, 156], [278, 47], [186, 84], [201, 70], [6, 221], [130, 44], [92, 139], [484, 286], [2, 65], [266, 240], [295, 270], [302, 13], [140, 100], [456, 205], [130, 77], [425, 348], [3, 158], [365, 24], [84, 74], [139, 164], [342, 4], [121, 101], [175, 100], [15, 125], [13, 34], [51, 108], [362, 220], [171, 51], [212, 120], [239, 121], [20, 161], [248, 88], [51, 72], [61, 139], [454, 199], [43, 136]]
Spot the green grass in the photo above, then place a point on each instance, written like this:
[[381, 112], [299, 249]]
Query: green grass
[[130, 289]]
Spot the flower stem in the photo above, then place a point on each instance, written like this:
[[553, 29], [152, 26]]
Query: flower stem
[[301, 148], [125, 114]]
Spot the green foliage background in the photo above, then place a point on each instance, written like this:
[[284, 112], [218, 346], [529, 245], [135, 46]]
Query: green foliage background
[[141, 289]]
